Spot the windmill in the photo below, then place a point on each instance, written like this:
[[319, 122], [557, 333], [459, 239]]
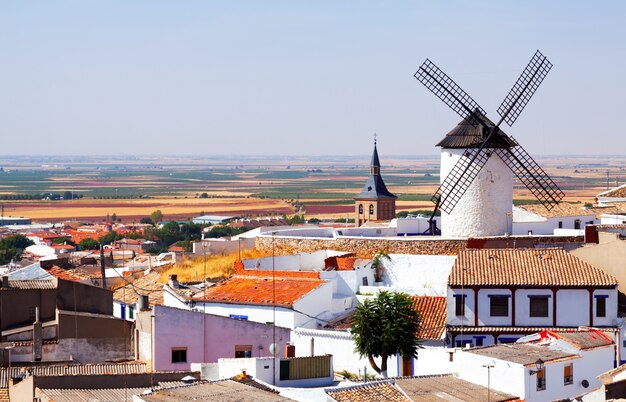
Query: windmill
[[479, 159]]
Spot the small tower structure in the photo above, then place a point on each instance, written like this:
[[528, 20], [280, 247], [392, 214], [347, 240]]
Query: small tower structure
[[374, 202]]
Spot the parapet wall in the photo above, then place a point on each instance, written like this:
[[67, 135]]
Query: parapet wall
[[363, 247], [368, 247]]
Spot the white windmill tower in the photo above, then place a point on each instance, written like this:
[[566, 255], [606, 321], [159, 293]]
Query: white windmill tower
[[478, 160]]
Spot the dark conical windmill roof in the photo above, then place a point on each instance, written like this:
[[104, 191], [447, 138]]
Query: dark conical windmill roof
[[465, 135], [375, 186]]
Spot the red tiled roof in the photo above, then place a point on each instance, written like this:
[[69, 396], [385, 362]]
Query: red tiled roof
[[432, 310], [373, 391], [60, 273], [525, 267], [581, 339], [259, 290], [241, 270]]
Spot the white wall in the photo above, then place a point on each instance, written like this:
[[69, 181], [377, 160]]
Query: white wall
[[611, 307], [504, 376], [484, 306], [263, 314], [412, 273], [567, 315], [522, 308], [485, 208], [317, 303], [468, 318]]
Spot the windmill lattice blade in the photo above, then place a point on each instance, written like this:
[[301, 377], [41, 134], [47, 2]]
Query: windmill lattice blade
[[532, 175], [524, 88], [459, 179], [449, 92]]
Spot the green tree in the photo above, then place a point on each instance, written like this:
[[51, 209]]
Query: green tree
[[204, 195], [109, 238], [11, 247], [385, 326], [89, 244], [156, 216], [113, 217], [146, 220]]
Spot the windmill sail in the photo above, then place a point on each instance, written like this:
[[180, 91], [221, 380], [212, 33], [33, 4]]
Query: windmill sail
[[532, 175], [449, 92], [524, 88], [459, 179]]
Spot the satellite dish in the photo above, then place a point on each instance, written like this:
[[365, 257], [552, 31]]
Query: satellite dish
[[273, 349]]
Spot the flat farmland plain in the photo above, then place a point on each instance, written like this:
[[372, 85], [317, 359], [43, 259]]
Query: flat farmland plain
[[183, 187]]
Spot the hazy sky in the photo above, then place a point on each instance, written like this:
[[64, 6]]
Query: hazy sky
[[300, 77]]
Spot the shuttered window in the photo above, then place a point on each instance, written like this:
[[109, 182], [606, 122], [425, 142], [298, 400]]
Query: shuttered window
[[499, 306], [538, 306], [568, 374]]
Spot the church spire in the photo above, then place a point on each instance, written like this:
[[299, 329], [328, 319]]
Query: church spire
[[375, 163]]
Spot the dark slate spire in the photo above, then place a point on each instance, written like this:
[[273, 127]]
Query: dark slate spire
[[375, 186]]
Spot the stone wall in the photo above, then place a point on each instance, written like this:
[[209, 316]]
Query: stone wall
[[363, 247], [368, 247]]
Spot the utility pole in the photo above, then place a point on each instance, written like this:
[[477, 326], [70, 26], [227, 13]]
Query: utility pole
[[102, 268]]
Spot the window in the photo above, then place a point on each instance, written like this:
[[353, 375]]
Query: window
[[577, 224], [459, 305], [365, 281], [600, 306], [568, 374], [560, 224], [179, 355], [242, 351], [131, 312], [538, 306], [122, 311], [479, 340], [499, 306], [360, 208], [463, 343], [371, 209], [541, 379]]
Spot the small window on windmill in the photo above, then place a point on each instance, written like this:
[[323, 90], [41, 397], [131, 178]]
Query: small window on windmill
[[369, 188], [365, 281]]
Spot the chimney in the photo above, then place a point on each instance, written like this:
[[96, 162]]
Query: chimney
[[173, 282], [5, 281], [37, 338], [144, 303]]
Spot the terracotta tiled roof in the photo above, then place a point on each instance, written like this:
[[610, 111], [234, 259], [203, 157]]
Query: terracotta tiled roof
[[373, 391], [432, 310], [75, 369], [448, 387], [504, 330], [225, 391], [586, 339], [241, 270], [31, 284], [525, 267], [61, 273], [525, 354], [562, 209], [617, 192], [147, 284], [259, 290]]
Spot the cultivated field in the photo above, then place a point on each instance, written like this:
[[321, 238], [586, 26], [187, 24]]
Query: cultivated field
[[319, 187]]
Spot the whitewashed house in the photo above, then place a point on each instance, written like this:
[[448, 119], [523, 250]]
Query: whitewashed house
[[298, 299], [562, 219], [336, 339], [548, 366], [614, 195], [499, 295]]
